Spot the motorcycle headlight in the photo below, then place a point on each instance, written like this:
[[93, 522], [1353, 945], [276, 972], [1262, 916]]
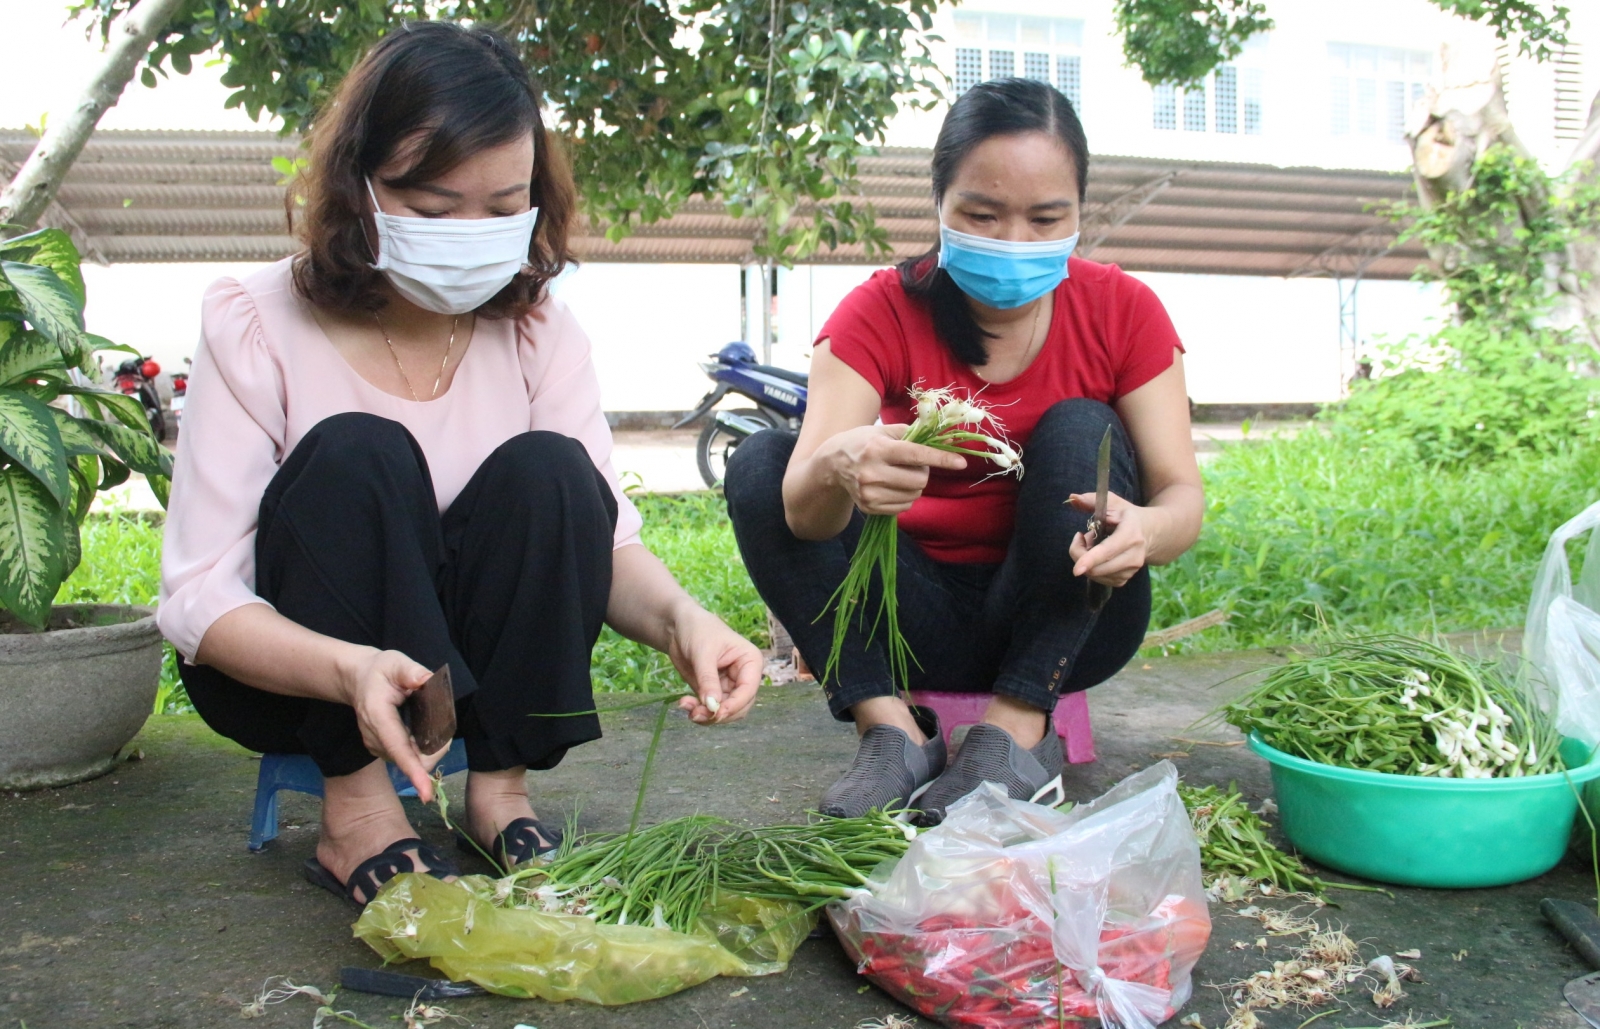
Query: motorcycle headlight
[[711, 367]]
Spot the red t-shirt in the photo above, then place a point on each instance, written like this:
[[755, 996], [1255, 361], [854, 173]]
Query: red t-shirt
[[1108, 336]]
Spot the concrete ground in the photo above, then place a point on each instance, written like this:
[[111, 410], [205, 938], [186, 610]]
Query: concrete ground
[[131, 901]]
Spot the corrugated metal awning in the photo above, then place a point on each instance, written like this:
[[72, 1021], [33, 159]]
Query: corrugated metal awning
[[150, 196]]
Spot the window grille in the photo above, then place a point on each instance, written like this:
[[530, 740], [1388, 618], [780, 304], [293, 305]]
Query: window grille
[[1371, 88], [988, 47], [1194, 109], [1226, 99], [1395, 102], [1571, 107], [1253, 90], [1166, 107], [969, 68], [1069, 79]]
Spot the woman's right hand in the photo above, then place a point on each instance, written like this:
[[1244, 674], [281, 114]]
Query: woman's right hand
[[376, 683], [884, 474]]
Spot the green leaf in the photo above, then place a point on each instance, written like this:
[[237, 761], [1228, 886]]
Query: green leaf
[[33, 546], [52, 249], [47, 302], [99, 343], [77, 440], [28, 435], [122, 407], [116, 473], [138, 449], [28, 356], [161, 486]]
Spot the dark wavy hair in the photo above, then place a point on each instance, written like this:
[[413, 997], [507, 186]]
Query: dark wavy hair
[[453, 92], [1002, 107]]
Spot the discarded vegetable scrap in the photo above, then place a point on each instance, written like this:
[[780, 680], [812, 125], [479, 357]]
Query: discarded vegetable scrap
[[1400, 705], [1235, 853]]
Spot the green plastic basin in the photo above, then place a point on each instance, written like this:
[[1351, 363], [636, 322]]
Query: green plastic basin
[[1421, 831]]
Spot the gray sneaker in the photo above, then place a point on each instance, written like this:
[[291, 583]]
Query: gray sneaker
[[889, 771], [989, 754]]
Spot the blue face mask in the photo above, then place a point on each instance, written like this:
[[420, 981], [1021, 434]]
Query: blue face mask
[[1000, 273]]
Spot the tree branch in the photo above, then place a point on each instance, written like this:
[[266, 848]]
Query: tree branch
[[40, 177]]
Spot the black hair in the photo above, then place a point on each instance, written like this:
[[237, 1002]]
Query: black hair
[[449, 92], [1001, 107]]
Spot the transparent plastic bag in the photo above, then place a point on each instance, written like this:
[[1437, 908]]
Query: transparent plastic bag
[[524, 952], [1561, 639], [1011, 914]]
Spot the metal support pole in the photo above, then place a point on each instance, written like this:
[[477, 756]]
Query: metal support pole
[[1349, 330], [767, 276]]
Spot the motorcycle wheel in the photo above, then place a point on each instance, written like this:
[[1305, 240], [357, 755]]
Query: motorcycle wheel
[[158, 421], [717, 444]]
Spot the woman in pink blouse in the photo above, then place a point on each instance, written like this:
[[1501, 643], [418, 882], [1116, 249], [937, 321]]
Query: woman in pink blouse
[[394, 458]]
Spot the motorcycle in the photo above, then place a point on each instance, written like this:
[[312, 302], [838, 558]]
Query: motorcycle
[[180, 394], [778, 393], [136, 378]]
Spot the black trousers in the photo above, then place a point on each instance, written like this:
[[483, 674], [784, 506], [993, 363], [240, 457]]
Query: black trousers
[[509, 587], [1022, 628]]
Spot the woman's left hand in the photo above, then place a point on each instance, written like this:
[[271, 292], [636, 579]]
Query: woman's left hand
[[722, 667], [1122, 553]]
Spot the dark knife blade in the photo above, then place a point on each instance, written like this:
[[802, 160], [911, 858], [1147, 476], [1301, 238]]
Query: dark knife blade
[[1099, 593], [1582, 929]]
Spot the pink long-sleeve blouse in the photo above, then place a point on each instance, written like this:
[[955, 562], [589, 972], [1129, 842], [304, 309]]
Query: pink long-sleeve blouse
[[265, 373]]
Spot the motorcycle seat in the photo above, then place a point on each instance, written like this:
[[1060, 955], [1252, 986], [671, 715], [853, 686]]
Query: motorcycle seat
[[798, 378]]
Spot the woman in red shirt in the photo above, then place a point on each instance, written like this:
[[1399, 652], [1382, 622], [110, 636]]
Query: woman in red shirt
[[992, 571]]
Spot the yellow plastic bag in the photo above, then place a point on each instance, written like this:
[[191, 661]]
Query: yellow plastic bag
[[524, 952]]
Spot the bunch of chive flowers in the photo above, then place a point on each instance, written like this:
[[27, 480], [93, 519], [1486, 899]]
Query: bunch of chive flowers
[[945, 421]]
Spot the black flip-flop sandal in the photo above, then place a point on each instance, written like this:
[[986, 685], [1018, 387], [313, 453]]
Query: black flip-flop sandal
[[518, 842], [371, 874]]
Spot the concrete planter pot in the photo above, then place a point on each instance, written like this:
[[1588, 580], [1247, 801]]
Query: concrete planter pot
[[72, 696]]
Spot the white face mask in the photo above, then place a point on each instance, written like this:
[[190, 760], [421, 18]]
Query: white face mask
[[451, 265]]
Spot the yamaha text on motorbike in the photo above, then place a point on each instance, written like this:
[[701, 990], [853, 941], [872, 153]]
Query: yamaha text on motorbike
[[779, 396]]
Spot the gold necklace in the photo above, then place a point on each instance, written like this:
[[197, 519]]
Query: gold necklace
[[437, 379]]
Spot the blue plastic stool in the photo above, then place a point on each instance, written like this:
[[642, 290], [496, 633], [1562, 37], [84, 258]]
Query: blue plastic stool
[[298, 772]]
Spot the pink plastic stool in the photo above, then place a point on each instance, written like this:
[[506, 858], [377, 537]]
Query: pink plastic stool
[[1071, 718]]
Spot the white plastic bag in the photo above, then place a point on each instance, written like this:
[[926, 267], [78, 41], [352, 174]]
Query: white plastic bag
[[1011, 914], [1561, 639]]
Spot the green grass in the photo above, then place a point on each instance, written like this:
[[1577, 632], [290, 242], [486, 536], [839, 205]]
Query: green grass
[[122, 565], [1326, 529], [1302, 537], [691, 533]]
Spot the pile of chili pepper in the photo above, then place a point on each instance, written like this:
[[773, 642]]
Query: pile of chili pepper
[[964, 973]]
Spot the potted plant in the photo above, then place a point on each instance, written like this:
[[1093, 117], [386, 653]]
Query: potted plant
[[78, 680]]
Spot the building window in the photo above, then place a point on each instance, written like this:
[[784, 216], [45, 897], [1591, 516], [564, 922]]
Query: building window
[[987, 46], [1069, 79], [1226, 98], [1370, 89], [1252, 101], [969, 68], [1166, 107], [1194, 109], [1233, 92]]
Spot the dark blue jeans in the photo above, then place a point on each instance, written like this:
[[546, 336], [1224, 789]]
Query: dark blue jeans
[[1022, 628]]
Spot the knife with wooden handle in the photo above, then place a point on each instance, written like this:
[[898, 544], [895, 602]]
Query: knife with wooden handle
[[1581, 927]]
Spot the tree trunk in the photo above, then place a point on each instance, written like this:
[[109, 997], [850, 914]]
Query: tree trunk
[[39, 178], [1579, 281], [1467, 115]]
